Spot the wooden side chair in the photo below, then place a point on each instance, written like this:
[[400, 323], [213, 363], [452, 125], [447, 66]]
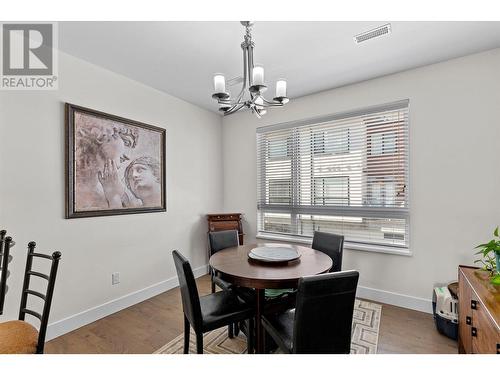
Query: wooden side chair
[[321, 322], [5, 258], [209, 312], [18, 336]]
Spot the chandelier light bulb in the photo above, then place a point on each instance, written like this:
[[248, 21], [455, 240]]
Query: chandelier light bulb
[[258, 75], [281, 88], [219, 84]]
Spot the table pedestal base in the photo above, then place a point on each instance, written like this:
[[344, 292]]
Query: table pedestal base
[[259, 329]]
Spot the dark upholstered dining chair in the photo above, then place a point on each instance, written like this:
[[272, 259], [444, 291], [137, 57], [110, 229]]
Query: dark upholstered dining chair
[[332, 245], [219, 241], [209, 312], [322, 319], [18, 336], [5, 258]]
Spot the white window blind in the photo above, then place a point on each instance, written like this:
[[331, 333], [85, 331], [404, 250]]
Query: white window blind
[[345, 173]]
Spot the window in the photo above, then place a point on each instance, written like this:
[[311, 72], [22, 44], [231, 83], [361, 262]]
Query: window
[[330, 142], [280, 192], [277, 223], [382, 143], [278, 147], [345, 173], [382, 192], [331, 191]]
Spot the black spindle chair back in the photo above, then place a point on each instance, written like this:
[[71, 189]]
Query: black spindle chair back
[[3, 232], [5, 244], [47, 297]]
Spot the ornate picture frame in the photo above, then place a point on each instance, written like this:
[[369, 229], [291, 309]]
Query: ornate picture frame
[[114, 165]]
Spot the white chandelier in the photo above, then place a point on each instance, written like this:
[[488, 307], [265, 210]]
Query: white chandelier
[[253, 78]]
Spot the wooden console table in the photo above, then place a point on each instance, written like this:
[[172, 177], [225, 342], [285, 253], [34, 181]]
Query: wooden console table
[[479, 312], [218, 222]]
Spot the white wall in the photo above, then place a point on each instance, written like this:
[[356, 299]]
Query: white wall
[[454, 169], [138, 246]]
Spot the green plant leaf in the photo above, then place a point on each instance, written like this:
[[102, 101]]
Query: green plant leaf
[[486, 249]]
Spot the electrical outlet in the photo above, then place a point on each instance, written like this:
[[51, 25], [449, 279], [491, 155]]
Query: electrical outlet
[[115, 278]]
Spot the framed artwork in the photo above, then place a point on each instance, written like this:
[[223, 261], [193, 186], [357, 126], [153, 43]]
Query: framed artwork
[[114, 166]]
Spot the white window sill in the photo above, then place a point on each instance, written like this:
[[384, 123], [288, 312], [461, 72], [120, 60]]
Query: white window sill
[[347, 245]]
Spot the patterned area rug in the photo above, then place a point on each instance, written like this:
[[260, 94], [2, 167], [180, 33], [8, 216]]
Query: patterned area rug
[[365, 329]]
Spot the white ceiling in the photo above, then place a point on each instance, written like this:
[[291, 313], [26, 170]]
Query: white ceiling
[[180, 58]]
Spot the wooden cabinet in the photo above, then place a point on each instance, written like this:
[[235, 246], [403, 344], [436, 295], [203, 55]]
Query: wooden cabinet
[[479, 312], [464, 316], [217, 222]]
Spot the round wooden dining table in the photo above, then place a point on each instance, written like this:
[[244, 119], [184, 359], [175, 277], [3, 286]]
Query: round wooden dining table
[[234, 266]]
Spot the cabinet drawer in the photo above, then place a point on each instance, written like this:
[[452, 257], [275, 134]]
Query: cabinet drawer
[[223, 225], [223, 217], [485, 336]]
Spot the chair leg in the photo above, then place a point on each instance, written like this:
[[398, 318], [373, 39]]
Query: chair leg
[[230, 332], [199, 343], [264, 344], [212, 279], [250, 336], [186, 335], [236, 329]]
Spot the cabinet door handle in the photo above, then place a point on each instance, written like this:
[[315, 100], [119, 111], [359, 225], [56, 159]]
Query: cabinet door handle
[[473, 305], [473, 331], [468, 320]]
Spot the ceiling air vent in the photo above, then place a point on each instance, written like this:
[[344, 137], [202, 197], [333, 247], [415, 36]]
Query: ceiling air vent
[[375, 33]]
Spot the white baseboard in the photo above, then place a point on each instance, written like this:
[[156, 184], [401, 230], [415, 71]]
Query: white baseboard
[[91, 315], [95, 313], [396, 299]]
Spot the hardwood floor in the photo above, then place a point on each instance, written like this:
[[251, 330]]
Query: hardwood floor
[[411, 332], [149, 325]]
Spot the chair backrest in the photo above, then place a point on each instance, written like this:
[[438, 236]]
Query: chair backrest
[[5, 244], [332, 245], [189, 291], [222, 240], [47, 297], [323, 313]]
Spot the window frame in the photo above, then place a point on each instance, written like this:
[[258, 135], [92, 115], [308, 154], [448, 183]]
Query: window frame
[[365, 212]]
